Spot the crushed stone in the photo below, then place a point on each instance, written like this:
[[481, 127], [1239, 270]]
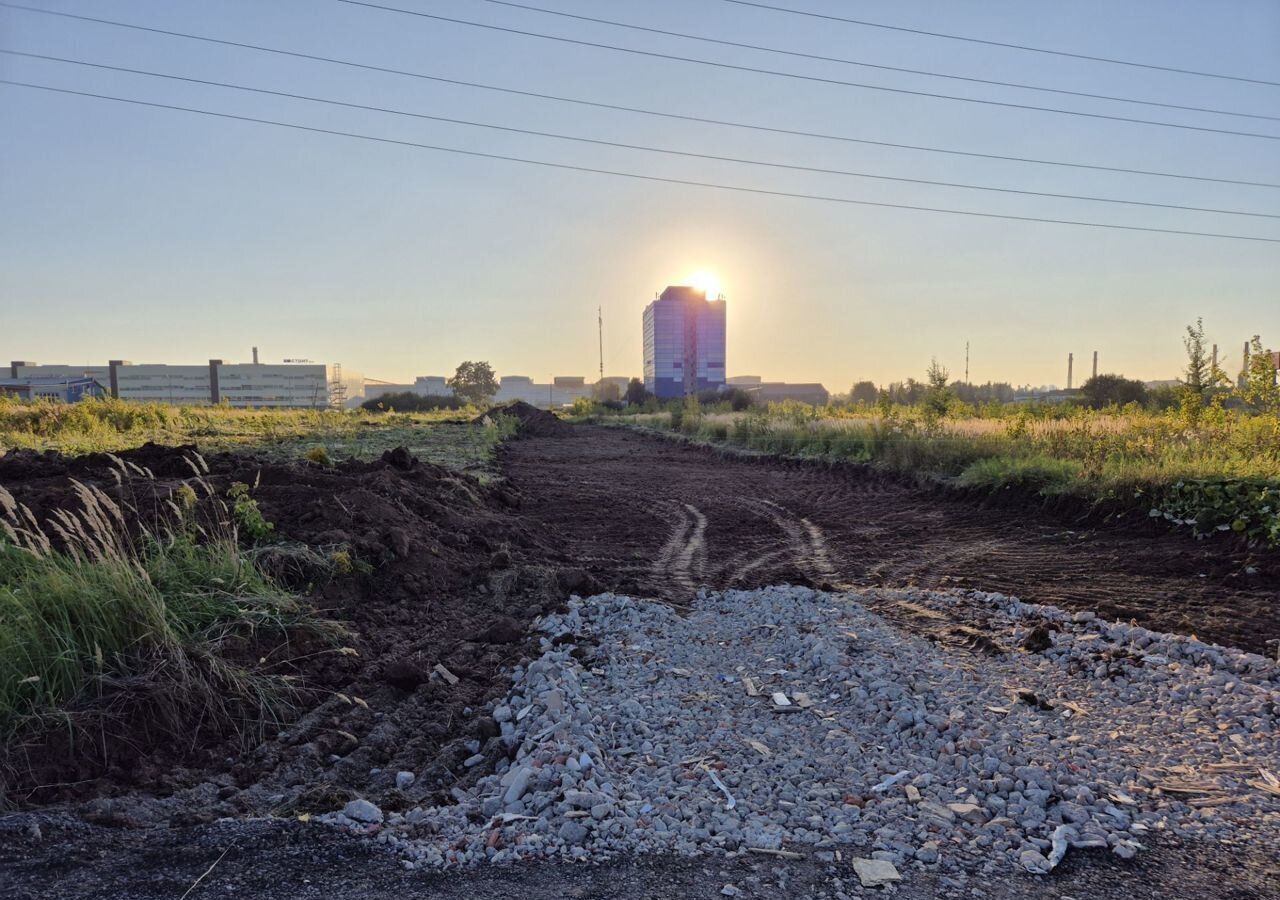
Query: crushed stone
[[646, 739]]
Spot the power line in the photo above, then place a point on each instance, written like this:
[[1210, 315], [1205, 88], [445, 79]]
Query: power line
[[867, 65], [778, 73], [1009, 46], [628, 146], [633, 109], [635, 175]]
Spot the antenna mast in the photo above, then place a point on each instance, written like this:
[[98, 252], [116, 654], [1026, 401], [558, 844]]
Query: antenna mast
[[600, 323]]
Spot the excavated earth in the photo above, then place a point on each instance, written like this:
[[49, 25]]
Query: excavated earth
[[455, 572], [650, 518], [442, 571]]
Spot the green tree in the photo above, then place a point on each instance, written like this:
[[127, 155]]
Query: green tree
[[1259, 388], [1104, 390], [636, 393], [864, 392], [1202, 374], [937, 396], [474, 382]]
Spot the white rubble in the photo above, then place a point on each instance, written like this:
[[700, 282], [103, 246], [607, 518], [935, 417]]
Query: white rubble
[[913, 753]]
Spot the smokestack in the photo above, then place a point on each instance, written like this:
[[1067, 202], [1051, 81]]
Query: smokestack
[[1070, 362], [1215, 357], [255, 356], [1095, 363]]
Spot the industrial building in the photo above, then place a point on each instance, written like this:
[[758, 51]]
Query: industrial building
[[64, 389], [762, 391], [562, 390], [684, 343], [423, 386], [293, 385]]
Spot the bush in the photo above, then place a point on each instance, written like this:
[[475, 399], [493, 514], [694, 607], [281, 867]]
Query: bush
[[407, 401], [319, 456], [1041, 474], [1102, 391]]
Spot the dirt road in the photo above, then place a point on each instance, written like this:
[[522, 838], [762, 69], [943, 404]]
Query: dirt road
[[647, 515]]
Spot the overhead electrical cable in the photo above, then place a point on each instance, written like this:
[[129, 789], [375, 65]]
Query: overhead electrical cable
[[1007, 45], [638, 176], [633, 109], [778, 73], [629, 146], [868, 65]]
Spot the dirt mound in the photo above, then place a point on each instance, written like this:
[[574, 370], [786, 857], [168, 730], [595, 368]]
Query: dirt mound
[[532, 422], [425, 566]]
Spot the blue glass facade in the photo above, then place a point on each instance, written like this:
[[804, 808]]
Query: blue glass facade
[[684, 343]]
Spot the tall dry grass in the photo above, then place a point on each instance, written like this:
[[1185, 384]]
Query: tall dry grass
[[124, 629]]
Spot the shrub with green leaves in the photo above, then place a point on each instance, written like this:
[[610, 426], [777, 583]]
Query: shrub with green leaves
[[248, 517], [1247, 507]]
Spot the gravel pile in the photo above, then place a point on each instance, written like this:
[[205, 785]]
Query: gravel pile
[[639, 729]]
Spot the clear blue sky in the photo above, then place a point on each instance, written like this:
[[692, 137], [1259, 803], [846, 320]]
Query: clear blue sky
[[160, 236]]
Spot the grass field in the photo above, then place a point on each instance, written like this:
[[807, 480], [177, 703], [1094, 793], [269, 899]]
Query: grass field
[[446, 437], [1221, 473]]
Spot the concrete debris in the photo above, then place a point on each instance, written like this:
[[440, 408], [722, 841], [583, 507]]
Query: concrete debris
[[361, 810], [1062, 836], [909, 763], [875, 872]]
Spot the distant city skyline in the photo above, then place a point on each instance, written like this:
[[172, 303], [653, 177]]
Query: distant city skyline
[[163, 236]]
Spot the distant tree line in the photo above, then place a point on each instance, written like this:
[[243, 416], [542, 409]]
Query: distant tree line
[[1203, 384]]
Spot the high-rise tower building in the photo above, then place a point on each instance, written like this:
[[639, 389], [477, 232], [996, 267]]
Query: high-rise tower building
[[684, 343]]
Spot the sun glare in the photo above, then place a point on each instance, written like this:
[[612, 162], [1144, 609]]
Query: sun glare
[[707, 282]]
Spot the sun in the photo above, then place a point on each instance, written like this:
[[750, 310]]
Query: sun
[[706, 282]]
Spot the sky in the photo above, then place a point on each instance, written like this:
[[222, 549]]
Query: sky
[[163, 236]]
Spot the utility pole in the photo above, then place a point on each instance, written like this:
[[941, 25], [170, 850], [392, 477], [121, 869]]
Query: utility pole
[[966, 362]]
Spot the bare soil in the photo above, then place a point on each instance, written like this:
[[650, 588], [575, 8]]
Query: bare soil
[[444, 571], [662, 518]]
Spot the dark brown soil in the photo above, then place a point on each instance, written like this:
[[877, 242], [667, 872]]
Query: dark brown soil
[[531, 421], [443, 571], [664, 518], [281, 861]]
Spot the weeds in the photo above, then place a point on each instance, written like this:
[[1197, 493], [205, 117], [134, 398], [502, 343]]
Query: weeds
[[318, 455], [1217, 470], [134, 634], [247, 516]]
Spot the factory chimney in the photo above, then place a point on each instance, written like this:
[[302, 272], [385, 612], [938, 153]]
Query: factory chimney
[[1070, 362], [1095, 363], [255, 356]]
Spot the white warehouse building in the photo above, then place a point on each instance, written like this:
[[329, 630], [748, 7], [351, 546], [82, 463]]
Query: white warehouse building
[[244, 385]]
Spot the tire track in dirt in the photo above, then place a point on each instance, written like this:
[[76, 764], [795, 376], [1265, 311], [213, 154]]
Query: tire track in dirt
[[683, 556], [625, 503], [806, 543]]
